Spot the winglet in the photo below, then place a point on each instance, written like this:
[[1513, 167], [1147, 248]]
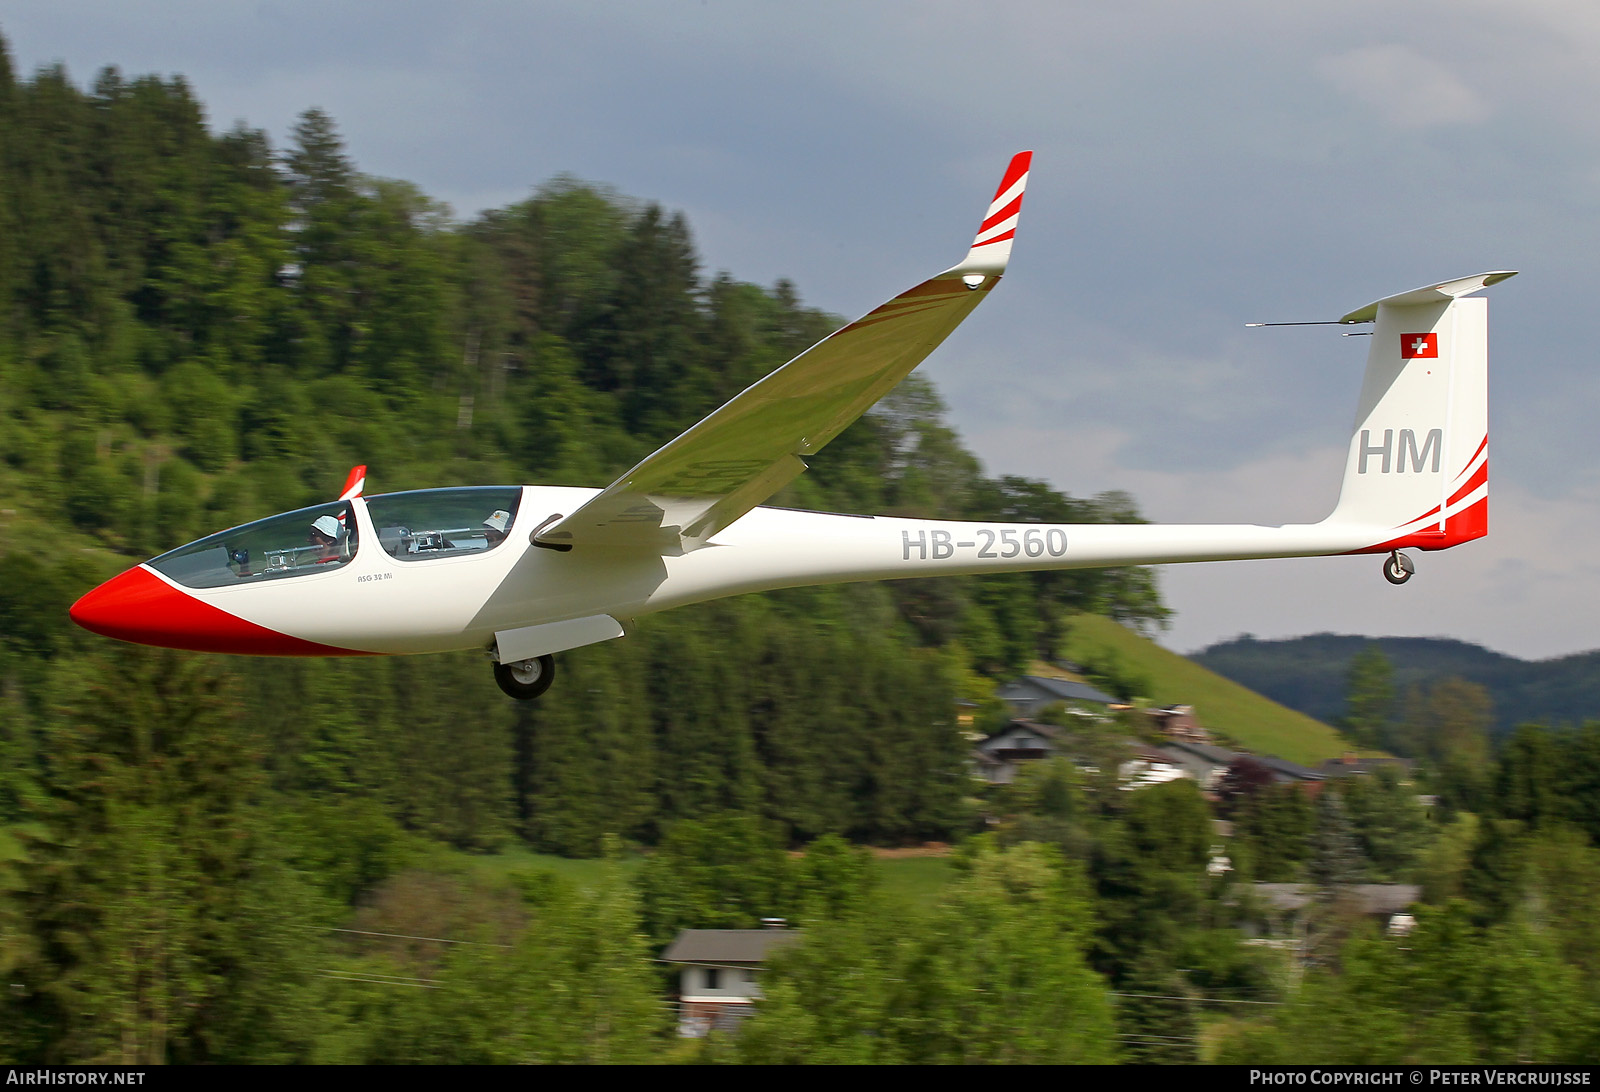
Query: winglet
[[1433, 293], [991, 249], [355, 483]]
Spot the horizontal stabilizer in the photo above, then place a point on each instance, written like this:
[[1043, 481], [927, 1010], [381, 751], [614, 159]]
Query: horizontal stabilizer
[[1433, 293]]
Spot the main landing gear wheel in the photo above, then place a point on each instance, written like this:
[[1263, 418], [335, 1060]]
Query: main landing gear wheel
[[1397, 568], [526, 679]]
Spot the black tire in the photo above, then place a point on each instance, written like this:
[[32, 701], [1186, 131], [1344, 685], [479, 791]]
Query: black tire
[[526, 679], [1397, 568]]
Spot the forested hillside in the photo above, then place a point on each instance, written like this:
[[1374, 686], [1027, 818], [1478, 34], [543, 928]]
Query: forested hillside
[[1311, 674], [206, 859]]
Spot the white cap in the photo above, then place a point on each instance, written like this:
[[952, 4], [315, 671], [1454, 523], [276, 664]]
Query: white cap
[[498, 520], [328, 525]]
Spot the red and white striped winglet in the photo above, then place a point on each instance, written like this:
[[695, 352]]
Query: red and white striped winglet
[[991, 248], [354, 483]]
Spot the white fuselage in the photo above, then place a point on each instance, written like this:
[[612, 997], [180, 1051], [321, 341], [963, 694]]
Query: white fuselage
[[382, 605]]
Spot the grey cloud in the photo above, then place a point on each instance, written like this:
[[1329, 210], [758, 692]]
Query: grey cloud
[[1403, 87]]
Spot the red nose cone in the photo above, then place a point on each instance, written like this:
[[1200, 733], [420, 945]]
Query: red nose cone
[[139, 606], [136, 606]]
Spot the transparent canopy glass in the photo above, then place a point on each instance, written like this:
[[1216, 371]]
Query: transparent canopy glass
[[299, 543], [432, 523]]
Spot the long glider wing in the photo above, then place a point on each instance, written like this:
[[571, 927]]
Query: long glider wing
[[754, 445]]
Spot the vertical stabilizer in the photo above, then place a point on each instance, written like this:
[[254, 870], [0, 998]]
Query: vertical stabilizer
[[1418, 465]]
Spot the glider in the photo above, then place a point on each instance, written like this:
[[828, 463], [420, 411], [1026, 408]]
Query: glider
[[529, 571]]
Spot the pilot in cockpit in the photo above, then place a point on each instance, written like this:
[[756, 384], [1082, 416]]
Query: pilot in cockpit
[[326, 534], [494, 528]]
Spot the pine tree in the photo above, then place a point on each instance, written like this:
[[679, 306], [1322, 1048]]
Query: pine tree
[[1369, 698], [1336, 858], [995, 973], [726, 871], [158, 912]]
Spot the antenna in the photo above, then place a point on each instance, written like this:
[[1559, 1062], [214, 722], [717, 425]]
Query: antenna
[[1329, 322]]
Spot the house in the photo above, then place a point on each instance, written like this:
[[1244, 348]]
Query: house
[[719, 980], [1178, 722], [1204, 762], [1149, 766], [1280, 920], [1030, 693], [999, 755], [1373, 900]]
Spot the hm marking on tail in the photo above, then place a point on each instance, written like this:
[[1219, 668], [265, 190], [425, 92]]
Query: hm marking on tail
[[1408, 446]]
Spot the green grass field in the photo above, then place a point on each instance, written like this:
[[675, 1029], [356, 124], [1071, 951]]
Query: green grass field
[[585, 874], [1247, 719], [914, 881]]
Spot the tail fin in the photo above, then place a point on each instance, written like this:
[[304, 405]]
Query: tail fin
[[1418, 468]]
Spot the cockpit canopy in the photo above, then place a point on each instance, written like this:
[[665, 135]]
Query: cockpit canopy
[[416, 526], [430, 523], [308, 540]]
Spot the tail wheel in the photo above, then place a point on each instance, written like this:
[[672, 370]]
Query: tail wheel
[[526, 679], [1397, 568]]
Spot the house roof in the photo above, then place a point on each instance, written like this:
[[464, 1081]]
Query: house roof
[[1047, 731], [1198, 768], [1350, 766], [1066, 689], [1373, 898], [1216, 756], [1285, 770], [1153, 754], [727, 945]]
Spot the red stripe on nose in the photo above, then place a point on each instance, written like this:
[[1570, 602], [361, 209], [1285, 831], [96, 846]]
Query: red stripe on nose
[[139, 606]]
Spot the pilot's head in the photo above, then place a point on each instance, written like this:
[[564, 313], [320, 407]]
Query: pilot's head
[[494, 528], [324, 531]]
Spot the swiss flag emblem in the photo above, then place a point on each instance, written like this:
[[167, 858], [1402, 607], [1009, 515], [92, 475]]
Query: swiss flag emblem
[[1419, 346]]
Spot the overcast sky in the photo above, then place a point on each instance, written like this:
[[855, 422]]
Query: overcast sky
[[1197, 166]]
